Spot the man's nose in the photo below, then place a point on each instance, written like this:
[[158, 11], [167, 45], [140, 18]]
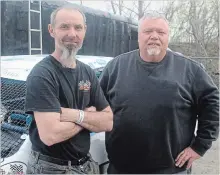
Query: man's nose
[[154, 35], [72, 32]]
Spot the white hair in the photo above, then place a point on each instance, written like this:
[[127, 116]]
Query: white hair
[[152, 15]]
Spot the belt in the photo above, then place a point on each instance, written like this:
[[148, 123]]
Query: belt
[[60, 161]]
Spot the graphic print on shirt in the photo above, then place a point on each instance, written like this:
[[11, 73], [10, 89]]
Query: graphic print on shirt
[[84, 85]]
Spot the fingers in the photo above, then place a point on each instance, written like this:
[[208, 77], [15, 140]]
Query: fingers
[[183, 160], [180, 154], [90, 109], [189, 164], [187, 155]]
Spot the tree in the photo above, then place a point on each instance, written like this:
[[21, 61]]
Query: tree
[[194, 22], [129, 9], [140, 9]]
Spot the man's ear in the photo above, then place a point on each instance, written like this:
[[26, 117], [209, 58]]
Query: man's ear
[[85, 27], [51, 30]]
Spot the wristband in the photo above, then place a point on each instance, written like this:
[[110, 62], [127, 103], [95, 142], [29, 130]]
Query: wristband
[[81, 117]]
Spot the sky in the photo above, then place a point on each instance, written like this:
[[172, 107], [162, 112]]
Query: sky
[[93, 4], [104, 6]]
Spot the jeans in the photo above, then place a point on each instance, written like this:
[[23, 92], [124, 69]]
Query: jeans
[[38, 166]]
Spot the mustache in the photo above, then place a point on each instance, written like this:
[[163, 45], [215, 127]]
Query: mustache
[[158, 44], [71, 39]]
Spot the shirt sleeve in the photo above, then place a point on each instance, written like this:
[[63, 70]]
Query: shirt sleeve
[[41, 95], [206, 96], [97, 98], [104, 80]]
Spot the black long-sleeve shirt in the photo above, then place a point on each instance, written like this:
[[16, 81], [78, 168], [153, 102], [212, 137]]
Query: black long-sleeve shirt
[[155, 107]]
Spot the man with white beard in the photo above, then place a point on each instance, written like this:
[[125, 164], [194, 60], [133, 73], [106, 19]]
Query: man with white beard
[[66, 101], [156, 97]]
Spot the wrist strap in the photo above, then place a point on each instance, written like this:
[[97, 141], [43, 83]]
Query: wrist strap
[[81, 117]]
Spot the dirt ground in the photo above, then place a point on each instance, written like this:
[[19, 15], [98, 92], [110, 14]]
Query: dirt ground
[[209, 163]]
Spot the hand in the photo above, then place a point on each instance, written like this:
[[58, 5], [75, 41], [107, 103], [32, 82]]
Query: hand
[[69, 115], [186, 155], [91, 109]]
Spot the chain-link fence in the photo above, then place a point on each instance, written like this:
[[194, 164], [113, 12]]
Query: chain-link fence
[[14, 122]]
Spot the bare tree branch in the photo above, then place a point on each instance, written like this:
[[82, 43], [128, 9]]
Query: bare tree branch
[[126, 8], [120, 6], [113, 7], [146, 6], [140, 8]]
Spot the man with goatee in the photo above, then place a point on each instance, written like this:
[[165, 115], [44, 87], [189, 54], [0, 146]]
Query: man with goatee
[[157, 96], [66, 101]]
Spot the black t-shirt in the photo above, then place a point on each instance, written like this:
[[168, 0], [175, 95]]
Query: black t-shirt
[[50, 86], [155, 107]]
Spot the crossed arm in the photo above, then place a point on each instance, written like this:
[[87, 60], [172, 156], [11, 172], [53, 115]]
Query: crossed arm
[[55, 127]]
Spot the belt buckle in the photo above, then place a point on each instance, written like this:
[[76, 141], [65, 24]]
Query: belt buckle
[[80, 161]]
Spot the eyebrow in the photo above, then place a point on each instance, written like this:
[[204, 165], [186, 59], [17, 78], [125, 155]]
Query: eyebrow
[[78, 25], [64, 24], [67, 24], [157, 29]]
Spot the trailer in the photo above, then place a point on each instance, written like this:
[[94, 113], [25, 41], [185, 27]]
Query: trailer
[[24, 31]]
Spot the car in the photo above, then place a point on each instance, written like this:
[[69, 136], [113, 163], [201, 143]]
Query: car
[[15, 142]]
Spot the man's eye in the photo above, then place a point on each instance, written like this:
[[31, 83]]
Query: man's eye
[[64, 27], [147, 31], [161, 32], [78, 27]]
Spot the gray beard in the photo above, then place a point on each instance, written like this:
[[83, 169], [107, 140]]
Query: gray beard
[[153, 51], [68, 56]]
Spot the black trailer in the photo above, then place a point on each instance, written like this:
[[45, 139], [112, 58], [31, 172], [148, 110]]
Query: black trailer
[[24, 31]]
